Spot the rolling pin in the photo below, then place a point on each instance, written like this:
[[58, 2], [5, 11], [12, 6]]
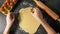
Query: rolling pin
[[47, 10]]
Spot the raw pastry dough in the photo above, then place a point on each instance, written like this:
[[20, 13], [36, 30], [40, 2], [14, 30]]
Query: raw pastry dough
[[27, 22]]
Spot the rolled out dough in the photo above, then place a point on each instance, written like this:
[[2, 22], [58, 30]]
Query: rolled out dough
[[27, 22]]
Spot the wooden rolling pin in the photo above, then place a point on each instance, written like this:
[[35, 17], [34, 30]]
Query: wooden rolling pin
[[47, 10]]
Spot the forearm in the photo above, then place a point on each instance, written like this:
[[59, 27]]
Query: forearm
[[7, 29], [47, 27]]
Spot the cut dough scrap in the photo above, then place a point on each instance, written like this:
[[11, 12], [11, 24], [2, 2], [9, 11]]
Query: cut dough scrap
[[27, 22]]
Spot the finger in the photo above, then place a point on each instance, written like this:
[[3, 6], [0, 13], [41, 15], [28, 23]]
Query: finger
[[12, 15], [36, 9], [32, 11]]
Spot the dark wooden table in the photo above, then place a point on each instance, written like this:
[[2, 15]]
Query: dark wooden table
[[53, 4]]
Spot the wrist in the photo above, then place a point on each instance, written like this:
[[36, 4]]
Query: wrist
[[9, 24], [40, 20]]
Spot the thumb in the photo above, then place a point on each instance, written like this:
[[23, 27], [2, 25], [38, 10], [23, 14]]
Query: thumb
[[32, 10]]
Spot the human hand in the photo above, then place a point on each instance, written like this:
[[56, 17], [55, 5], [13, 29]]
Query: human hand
[[37, 13], [10, 18]]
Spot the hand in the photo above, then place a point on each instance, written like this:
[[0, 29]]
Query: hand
[[10, 18], [37, 13]]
